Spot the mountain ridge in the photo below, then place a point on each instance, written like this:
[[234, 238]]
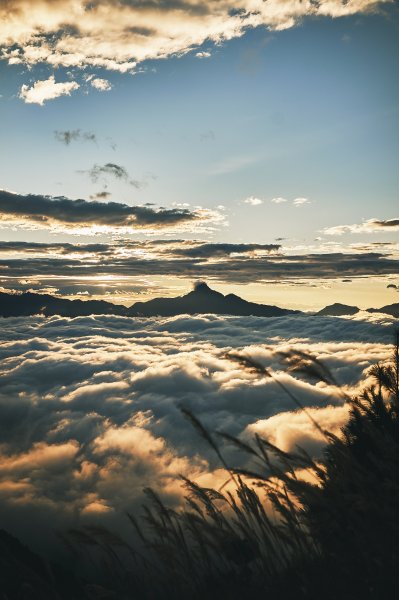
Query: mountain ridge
[[201, 300]]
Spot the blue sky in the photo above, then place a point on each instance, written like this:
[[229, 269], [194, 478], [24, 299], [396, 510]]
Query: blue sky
[[309, 112]]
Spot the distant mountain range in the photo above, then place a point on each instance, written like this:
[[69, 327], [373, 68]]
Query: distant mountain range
[[201, 300]]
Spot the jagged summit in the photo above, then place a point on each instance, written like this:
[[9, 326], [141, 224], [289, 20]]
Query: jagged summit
[[203, 299], [201, 287]]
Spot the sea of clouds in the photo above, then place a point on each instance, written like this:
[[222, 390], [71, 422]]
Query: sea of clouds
[[89, 407]]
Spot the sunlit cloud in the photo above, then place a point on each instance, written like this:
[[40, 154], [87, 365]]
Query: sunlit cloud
[[48, 89], [118, 36], [103, 85]]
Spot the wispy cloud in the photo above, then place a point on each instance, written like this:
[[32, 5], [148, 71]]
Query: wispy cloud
[[74, 135], [369, 226], [48, 89], [115, 171]]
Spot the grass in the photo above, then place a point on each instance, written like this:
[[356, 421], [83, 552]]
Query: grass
[[269, 532]]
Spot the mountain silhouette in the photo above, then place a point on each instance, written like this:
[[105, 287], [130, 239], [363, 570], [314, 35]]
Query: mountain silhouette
[[201, 300], [389, 309], [205, 300], [26, 304], [338, 310]]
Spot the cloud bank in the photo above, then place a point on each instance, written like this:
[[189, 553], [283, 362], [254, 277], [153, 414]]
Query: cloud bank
[[28, 265], [119, 35], [89, 406], [43, 212]]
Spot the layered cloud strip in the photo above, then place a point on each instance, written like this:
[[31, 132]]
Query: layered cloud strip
[[119, 35], [69, 268], [43, 212], [89, 407]]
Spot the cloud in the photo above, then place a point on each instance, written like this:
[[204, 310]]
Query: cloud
[[89, 406], [103, 195], [300, 201], [38, 212], [103, 85], [74, 135], [203, 54], [279, 200], [116, 171], [369, 226], [253, 201], [222, 250], [189, 259], [118, 36], [45, 90]]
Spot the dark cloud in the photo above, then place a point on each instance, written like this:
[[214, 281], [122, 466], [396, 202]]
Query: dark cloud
[[113, 170], [74, 135], [47, 210], [217, 250], [104, 195], [387, 223]]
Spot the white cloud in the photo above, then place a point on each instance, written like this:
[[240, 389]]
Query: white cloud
[[47, 89], [300, 201], [278, 200], [253, 201], [203, 55], [103, 85]]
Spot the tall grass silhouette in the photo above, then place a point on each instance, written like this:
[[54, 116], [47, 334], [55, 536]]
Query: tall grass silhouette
[[269, 531]]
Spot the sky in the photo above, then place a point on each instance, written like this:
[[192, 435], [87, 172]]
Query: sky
[[150, 144]]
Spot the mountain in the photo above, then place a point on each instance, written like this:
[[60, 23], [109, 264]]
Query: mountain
[[18, 305], [205, 300], [338, 310], [389, 309], [200, 301]]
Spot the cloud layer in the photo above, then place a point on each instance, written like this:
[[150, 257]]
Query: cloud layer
[[29, 265], [118, 35], [89, 407]]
